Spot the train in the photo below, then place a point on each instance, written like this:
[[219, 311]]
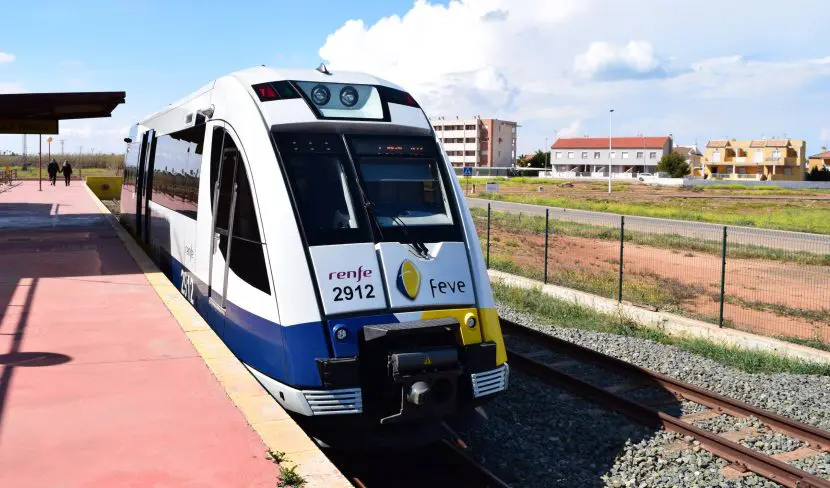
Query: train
[[314, 221]]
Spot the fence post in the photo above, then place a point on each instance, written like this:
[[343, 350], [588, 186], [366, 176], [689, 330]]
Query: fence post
[[622, 241], [722, 278], [488, 235], [547, 219]]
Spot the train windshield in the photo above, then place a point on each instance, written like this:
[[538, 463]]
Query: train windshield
[[406, 190], [400, 180], [324, 188]]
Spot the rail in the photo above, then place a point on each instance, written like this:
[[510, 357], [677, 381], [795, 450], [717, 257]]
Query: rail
[[446, 463], [741, 457]]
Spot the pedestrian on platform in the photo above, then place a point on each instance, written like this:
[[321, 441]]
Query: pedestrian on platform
[[52, 169], [67, 171]]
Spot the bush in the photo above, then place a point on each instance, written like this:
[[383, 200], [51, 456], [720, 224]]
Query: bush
[[818, 175], [674, 164]]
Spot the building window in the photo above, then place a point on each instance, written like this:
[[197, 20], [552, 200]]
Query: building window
[[776, 154], [470, 127], [469, 153], [570, 154], [471, 139], [625, 154], [652, 155], [759, 170], [741, 171], [788, 171], [640, 154], [613, 154], [597, 155], [558, 155], [584, 154], [759, 156]]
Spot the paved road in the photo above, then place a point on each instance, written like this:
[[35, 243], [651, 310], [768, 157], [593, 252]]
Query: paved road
[[792, 241]]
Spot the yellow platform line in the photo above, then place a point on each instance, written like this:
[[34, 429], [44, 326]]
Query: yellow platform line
[[267, 417]]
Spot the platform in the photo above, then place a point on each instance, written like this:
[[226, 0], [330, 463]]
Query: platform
[[102, 383]]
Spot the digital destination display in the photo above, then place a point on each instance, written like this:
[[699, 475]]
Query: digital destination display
[[388, 147]]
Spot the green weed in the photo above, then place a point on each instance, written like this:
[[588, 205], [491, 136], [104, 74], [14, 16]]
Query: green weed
[[569, 314]]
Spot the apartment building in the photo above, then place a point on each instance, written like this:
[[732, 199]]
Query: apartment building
[[627, 155], [692, 155], [819, 161], [756, 159], [477, 142]]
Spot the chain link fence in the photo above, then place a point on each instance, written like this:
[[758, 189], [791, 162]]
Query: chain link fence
[[767, 282]]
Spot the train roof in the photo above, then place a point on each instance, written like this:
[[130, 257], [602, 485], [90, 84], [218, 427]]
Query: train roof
[[262, 74]]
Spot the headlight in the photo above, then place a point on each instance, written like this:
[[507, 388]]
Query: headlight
[[320, 95], [348, 96]]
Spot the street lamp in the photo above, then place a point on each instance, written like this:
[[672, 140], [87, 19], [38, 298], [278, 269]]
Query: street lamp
[[609, 149]]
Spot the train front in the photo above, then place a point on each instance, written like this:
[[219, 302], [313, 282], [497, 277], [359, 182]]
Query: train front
[[412, 328]]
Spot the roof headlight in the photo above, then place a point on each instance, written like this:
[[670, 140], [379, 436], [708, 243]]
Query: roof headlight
[[320, 94], [348, 96]]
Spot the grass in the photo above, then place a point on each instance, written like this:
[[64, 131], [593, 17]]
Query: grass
[[568, 314], [288, 476], [821, 316], [793, 216], [814, 343], [32, 172], [512, 222]]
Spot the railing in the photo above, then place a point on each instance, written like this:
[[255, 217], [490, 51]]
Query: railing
[[763, 281], [7, 177]]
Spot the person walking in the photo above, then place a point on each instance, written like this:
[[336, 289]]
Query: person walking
[[52, 169], [67, 171]]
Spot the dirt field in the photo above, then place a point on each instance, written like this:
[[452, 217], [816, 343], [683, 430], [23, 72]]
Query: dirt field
[[766, 297]]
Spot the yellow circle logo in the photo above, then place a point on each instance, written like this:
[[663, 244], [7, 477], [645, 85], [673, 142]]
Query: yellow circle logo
[[409, 279]]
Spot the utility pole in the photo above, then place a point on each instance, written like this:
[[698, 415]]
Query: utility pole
[[547, 158], [609, 149], [61, 141]]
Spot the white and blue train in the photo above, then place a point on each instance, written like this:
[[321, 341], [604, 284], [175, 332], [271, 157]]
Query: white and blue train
[[315, 222]]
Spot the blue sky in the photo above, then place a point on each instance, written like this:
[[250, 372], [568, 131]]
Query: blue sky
[[696, 69]]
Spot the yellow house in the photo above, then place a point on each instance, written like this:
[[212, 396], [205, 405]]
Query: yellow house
[[758, 159], [819, 161]]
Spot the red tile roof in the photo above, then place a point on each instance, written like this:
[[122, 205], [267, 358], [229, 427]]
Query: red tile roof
[[717, 143], [822, 155], [616, 142]]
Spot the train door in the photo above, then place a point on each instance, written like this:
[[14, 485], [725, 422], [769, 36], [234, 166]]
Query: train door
[[224, 157], [148, 184], [141, 204]]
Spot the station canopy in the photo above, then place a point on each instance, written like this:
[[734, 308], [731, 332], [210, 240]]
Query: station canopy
[[39, 113]]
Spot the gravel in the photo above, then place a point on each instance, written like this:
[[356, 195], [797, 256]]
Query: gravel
[[800, 397], [533, 438]]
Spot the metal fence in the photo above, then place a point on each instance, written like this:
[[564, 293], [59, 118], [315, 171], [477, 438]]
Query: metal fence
[[768, 282]]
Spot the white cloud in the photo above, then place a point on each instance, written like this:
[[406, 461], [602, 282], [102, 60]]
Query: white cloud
[[6, 57], [11, 87], [604, 61]]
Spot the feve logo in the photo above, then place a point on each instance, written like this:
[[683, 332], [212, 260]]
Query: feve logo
[[409, 279]]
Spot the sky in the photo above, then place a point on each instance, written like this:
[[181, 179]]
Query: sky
[[698, 70]]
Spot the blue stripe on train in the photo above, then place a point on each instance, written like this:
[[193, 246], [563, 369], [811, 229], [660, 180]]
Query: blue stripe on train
[[287, 354]]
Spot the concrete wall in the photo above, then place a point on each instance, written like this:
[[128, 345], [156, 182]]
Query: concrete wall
[[795, 185]]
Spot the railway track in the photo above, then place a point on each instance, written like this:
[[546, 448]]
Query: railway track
[[547, 357], [445, 464]]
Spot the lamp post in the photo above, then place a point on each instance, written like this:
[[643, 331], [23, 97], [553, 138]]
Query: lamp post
[[547, 158], [609, 149]]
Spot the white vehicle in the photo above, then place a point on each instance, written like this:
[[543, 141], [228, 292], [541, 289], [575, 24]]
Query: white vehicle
[[314, 221]]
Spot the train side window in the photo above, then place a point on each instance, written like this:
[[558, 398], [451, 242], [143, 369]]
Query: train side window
[[247, 259], [176, 168]]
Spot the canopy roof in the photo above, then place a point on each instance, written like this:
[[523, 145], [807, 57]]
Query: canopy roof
[[59, 106]]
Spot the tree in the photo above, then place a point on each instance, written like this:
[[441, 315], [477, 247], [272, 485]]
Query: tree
[[674, 164], [816, 174], [537, 160]]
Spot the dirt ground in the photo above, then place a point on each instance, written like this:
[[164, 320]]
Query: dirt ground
[[692, 277]]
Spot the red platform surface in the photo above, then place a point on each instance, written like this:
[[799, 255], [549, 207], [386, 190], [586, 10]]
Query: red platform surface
[[99, 387]]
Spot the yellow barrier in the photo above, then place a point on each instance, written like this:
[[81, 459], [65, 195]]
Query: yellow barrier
[[105, 187]]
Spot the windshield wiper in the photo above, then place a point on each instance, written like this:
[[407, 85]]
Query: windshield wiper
[[417, 245]]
